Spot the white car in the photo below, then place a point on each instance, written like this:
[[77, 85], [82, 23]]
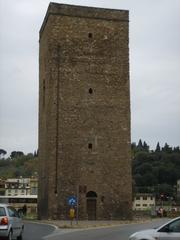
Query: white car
[[168, 231], [11, 226]]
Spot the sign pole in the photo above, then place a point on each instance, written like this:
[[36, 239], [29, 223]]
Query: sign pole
[[72, 202], [77, 213]]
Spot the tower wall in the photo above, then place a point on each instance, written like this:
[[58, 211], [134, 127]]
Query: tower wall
[[84, 113]]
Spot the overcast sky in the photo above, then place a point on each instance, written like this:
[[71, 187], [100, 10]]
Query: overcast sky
[[154, 70]]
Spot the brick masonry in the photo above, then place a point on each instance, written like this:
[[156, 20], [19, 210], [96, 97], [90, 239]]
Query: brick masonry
[[84, 113]]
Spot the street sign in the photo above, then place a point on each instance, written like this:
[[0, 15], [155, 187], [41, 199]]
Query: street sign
[[72, 200]]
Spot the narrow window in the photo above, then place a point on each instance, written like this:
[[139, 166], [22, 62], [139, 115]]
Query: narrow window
[[90, 35], [90, 145], [90, 91]]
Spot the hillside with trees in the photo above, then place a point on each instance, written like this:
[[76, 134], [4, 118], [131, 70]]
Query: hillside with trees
[[18, 164], [155, 171]]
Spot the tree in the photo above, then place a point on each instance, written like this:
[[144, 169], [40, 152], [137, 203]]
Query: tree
[[176, 149], [16, 154], [36, 153], [158, 148], [145, 147], [166, 148], [140, 145], [149, 179], [144, 168], [157, 171], [2, 153], [133, 149], [19, 165]]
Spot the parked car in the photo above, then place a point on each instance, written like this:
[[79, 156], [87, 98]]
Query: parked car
[[11, 225], [168, 231]]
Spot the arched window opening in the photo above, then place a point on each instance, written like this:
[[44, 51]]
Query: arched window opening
[[91, 194]]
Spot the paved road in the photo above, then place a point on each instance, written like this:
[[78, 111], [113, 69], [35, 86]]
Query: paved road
[[113, 233], [34, 231]]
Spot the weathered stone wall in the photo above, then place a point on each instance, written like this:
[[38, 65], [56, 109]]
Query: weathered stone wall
[[84, 111]]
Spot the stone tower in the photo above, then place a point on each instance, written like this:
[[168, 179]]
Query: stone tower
[[84, 113]]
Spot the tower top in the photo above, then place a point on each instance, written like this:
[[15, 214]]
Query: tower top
[[84, 12]]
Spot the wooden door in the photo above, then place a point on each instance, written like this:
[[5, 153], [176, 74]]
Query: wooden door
[[91, 208]]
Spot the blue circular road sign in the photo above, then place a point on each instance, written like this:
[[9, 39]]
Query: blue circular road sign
[[72, 201]]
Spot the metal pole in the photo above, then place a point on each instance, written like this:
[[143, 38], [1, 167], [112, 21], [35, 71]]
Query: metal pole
[[77, 212]]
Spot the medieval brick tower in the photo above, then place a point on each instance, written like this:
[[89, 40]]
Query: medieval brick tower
[[84, 113]]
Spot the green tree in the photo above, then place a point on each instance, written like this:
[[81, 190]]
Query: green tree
[[158, 148], [153, 169], [2, 153], [167, 148], [140, 145], [145, 147], [15, 154]]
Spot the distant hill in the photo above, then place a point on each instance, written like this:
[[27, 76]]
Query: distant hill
[[18, 165], [155, 171]]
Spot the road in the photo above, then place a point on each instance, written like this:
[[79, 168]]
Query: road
[[34, 231], [45, 232]]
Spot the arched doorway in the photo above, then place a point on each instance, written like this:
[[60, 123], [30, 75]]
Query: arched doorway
[[91, 198]]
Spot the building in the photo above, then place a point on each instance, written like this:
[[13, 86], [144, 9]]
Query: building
[[21, 186], [33, 186], [84, 113], [19, 192], [144, 201], [2, 187], [17, 186]]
